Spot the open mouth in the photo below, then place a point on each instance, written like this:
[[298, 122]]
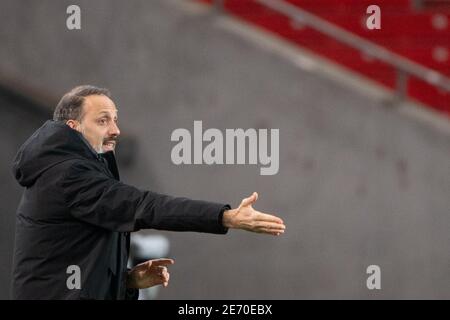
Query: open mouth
[[109, 145]]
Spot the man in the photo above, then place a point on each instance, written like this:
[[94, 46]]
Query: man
[[76, 215]]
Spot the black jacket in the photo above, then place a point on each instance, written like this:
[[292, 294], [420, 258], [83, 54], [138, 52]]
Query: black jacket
[[75, 211]]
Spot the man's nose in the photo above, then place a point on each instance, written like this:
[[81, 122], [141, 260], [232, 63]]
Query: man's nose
[[114, 129]]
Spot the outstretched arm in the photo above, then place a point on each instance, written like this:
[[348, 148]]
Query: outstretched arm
[[246, 218]]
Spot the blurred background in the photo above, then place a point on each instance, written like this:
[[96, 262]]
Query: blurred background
[[363, 114]]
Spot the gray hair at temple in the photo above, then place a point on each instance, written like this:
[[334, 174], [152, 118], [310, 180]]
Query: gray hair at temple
[[70, 106]]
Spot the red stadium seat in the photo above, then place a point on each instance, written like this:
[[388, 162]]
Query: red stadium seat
[[421, 36]]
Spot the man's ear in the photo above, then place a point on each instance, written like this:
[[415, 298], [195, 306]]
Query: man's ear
[[72, 123]]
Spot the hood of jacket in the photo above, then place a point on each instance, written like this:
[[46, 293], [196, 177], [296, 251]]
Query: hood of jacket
[[53, 143]]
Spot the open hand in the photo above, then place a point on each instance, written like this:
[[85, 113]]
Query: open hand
[[247, 218]]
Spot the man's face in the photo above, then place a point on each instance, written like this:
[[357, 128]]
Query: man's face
[[98, 123]]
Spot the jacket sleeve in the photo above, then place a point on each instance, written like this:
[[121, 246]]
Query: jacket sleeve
[[94, 197]]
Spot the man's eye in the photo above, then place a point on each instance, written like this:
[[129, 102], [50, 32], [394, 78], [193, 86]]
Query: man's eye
[[102, 121]]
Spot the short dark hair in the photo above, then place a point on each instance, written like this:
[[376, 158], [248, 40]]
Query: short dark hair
[[70, 105]]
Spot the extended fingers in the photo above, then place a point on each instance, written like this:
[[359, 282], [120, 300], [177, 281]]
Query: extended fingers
[[162, 262], [269, 228], [268, 218], [275, 232]]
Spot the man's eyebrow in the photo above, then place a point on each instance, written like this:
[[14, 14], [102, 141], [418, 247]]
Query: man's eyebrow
[[104, 112]]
